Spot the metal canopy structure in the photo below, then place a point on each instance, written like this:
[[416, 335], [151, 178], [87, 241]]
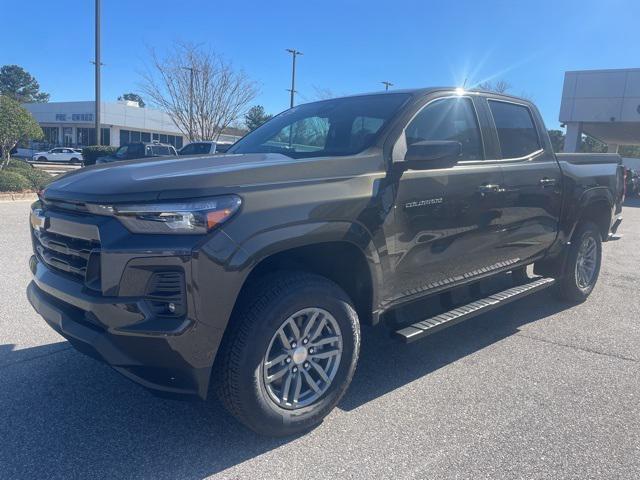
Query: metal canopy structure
[[604, 104]]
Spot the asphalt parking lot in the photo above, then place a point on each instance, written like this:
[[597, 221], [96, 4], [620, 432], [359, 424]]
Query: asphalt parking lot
[[537, 389]]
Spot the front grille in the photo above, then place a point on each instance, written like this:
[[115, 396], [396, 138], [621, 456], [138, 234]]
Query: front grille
[[66, 254]]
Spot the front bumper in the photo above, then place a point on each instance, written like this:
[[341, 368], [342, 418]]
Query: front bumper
[[176, 362]]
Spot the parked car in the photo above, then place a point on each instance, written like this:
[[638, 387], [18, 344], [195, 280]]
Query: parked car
[[61, 154], [253, 272], [135, 150], [204, 148]]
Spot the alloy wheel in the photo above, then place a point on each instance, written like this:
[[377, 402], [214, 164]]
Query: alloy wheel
[[302, 358]]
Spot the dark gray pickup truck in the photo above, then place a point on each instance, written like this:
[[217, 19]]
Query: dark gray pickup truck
[[249, 274]]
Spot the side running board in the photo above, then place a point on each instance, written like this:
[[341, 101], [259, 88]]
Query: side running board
[[431, 325]]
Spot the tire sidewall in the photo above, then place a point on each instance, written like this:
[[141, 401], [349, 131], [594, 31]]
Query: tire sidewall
[[571, 279], [257, 402]]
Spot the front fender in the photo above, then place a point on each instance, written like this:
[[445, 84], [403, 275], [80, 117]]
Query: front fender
[[270, 242]]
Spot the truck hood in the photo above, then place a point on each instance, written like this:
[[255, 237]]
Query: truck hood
[[191, 177]]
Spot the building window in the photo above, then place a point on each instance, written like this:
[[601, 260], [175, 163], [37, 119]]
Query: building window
[[178, 142], [163, 138], [51, 135], [135, 136], [84, 136], [124, 137], [145, 136], [61, 117], [105, 136], [172, 140], [155, 137]]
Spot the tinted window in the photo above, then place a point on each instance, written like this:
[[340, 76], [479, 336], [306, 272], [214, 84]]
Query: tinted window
[[161, 150], [331, 127], [448, 119], [516, 130], [196, 149]]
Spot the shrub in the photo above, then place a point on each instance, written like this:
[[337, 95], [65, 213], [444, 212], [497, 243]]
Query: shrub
[[19, 165], [12, 181], [38, 179], [90, 154]]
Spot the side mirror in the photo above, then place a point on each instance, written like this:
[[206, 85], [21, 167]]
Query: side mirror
[[431, 154]]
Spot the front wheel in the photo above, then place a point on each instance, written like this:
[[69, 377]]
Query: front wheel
[[582, 266], [289, 355]]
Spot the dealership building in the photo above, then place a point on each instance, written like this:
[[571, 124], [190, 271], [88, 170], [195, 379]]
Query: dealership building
[[604, 104], [72, 124]]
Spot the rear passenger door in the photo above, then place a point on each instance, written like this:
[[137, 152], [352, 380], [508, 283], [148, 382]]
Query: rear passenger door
[[532, 179]]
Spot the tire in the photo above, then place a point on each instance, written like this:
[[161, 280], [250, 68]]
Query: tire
[[43, 159], [75, 161], [571, 287], [241, 372]]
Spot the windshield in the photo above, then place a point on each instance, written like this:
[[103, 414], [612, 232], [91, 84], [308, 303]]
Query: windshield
[[343, 126], [122, 151]]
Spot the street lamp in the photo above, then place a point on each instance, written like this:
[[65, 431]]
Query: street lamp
[[387, 85], [294, 53]]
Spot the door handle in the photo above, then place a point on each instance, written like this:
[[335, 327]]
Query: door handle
[[490, 188], [547, 182]]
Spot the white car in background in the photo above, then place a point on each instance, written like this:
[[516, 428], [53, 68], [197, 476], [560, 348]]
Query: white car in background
[[60, 154]]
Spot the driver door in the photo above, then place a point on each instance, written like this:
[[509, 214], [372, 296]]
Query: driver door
[[446, 226]]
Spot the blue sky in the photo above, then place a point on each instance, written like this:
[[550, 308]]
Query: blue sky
[[349, 46]]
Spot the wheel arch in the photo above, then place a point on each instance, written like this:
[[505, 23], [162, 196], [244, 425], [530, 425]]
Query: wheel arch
[[340, 251], [595, 205]]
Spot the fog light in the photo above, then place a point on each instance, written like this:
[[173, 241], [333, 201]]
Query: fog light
[[172, 307]]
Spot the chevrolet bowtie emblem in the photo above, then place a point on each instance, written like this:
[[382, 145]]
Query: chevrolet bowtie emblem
[[38, 220]]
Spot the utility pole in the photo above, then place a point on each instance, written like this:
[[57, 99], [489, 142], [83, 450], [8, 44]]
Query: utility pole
[[387, 85], [294, 53], [97, 64], [191, 70]]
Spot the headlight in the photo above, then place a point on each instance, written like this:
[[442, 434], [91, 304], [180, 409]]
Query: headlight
[[195, 217]]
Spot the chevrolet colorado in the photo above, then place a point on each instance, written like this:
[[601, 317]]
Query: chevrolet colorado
[[250, 273]]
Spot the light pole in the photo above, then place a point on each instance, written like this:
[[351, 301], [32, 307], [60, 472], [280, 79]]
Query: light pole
[[294, 53], [191, 70], [387, 85], [97, 74]]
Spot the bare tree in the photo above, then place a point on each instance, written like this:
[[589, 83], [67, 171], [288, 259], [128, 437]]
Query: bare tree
[[320, 93], [499, 87], [201, 91]]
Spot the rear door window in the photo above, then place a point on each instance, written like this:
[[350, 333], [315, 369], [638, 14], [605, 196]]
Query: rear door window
[[516, 129]]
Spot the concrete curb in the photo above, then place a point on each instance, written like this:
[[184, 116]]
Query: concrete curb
[[18, 196]]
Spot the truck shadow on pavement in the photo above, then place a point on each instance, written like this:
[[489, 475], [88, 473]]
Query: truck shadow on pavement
[[65, 415]]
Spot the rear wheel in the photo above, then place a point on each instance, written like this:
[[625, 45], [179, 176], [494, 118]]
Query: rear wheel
[[75, 160], [289, 354], [43, 159], [582, 266]]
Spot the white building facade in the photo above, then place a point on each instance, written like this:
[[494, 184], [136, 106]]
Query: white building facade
[[604, 104], [72, 124]]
